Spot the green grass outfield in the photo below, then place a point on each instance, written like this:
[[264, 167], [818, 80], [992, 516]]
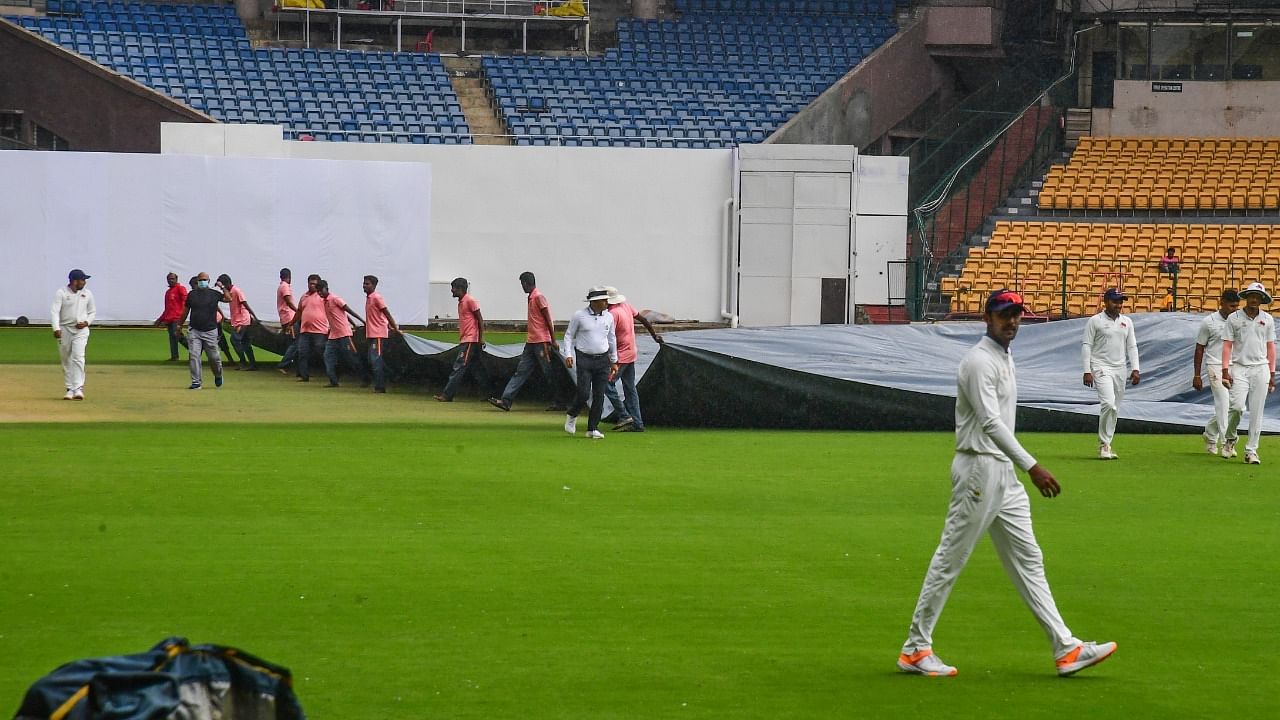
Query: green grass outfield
[[454, 561]]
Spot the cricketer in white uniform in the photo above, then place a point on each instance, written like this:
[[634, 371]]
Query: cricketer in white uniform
[[73, 312], [1249, 364], [987, 497], [1109, 340], [1218, 433]]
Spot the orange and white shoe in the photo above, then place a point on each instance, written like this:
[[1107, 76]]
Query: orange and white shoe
[[924, 662], [1084, 655]]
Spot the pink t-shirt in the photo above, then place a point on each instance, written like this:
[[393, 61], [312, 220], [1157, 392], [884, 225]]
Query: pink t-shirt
[[314, 319], [239, 313], [468, 328], [624, 327], [339, 326], [286, 313], [539, 332], [375, 318]]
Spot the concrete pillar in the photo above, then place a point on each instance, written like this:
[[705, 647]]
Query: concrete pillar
[[644, 9], [249, 9]]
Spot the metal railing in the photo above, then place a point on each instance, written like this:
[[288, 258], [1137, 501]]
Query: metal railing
[[1059, 287]]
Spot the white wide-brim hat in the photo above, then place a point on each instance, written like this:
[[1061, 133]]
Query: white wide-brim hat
[[615, 297], [597, 293], [1258, 288]]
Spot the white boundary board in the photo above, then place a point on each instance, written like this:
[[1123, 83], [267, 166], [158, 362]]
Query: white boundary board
[[128, 220], [649, 221]]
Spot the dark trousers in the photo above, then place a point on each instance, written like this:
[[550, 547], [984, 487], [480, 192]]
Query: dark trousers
[[240, 341], [468, 357], [377, 365], [291, 352], [541, 356], [629, 405], [341, 349], [173, 340], [308, 343], [593, 375], [222, 345]]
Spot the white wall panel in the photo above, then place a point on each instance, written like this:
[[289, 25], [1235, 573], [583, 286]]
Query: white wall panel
[[127, 220]]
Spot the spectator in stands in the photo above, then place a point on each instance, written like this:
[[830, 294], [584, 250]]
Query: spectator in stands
[[539, 347], [1170, 263], [592, 344], [378, 327], [242, 316], [624, 317], [73, 312], [339, 345], [175, 298], [288, 319], [1109, 344], [313, 327], [1168, 304], [470, 343], [206, 324]]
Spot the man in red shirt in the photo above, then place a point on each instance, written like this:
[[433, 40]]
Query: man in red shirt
[[339, 345], [624, 317], [470, 343], [378, 326], [313, 328], [242, 316], [175, 299], [288, 319], [539, 347]]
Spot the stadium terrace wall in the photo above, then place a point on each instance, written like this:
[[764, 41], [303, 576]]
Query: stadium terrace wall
[[648, 221], [872, 98], [89, 106], [1197, 109]]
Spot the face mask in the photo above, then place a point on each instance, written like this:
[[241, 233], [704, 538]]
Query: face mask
[[202, 284]]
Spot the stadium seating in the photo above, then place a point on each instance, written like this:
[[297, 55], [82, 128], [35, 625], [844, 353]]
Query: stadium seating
[[1029, 256], [726, 72], [200, 54], [1131, 173]]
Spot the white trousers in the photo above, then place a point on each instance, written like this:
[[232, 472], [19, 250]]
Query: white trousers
[[987, 497], [71, 349], [1109, 382], [1219, 430], [1248, 392]]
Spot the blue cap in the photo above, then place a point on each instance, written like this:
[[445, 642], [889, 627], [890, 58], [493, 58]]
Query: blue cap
[[77, 274], [1003, 299], [1114, 294]]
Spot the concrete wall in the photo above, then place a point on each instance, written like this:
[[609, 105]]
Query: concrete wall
[[963, 26], [1216, 109], [91, 107], [872, 98], [648, 221]]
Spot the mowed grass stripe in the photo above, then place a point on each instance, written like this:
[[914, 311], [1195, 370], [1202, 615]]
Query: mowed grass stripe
[[483, 564]]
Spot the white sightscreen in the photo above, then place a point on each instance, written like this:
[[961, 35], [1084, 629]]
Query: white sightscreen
[[128, 220]]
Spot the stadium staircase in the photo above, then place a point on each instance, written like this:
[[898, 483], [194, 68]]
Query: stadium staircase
[[474, 96]]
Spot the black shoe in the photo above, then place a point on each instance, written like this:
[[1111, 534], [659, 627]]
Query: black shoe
[[252, 368], [556, 407], [610, 418], [500, 404], [442, 398], [629, 428], [380, 390], [625, 423], [332, 384], [302, 379]]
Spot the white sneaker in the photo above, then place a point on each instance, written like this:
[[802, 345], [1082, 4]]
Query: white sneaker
[[1251, 458], [1211, 446], [1105, 453], [571, 424], [1083, 656], [71, 395], [924, 662], [79, 394], [595, 435], [1228, 449]]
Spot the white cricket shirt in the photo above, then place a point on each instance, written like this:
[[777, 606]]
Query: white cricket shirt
[[1210, 336], [1249, 337], [71, 307], [591, 333], [1107, 343], [987, 404]]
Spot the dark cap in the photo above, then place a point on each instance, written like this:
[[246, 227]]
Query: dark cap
[[1003, 299], [1114, 294], [77, 274]]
